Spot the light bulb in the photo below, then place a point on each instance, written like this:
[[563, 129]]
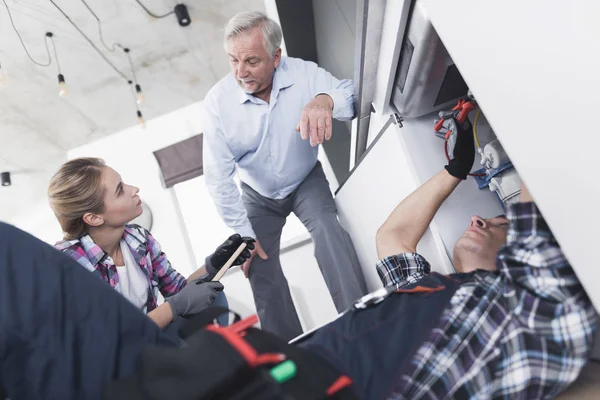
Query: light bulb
[[141, 120], [63, 90], [139, 96]]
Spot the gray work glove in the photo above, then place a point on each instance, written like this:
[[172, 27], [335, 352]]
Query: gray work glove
[[194, 297]]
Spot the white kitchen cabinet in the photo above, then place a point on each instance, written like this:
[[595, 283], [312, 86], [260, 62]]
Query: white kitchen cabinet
[[534, 69]]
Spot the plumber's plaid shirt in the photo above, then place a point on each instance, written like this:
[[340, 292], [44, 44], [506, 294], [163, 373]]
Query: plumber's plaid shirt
[[523, 332]]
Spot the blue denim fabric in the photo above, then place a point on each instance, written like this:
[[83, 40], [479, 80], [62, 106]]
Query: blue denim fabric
[[221, 301]]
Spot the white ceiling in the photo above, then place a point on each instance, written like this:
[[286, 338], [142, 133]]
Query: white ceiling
[[175, 66]]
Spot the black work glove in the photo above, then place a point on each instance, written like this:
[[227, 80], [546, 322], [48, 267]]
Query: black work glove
[[216, 260], [193, 298], [464, 150]]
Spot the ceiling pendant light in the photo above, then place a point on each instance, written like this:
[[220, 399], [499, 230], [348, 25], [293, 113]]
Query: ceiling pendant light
[[140, 118], [139, 95], [182, 14], [63, 89], [5, 178]]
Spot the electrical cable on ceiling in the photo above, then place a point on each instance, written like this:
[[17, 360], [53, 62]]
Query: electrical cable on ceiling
[[23, 43], [63, 90], [49, 19], [150, 13], [138, 88], [140, 117], [115, 45], [51, 36], [89, 41], [127, 51]]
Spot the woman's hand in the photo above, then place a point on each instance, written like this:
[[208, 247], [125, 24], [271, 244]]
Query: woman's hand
[[223, 253]]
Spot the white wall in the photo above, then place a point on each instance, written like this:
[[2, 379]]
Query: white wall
[[39, 220]]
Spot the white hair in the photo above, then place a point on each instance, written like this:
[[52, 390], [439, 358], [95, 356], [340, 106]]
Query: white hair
[[244, 22]]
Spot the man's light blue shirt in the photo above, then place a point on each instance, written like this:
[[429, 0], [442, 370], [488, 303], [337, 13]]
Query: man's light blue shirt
[[260, 139]]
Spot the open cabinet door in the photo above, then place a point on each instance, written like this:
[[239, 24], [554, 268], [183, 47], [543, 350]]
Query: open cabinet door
[[534, 67]]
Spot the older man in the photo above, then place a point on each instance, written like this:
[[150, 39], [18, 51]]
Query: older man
[[266, 118]]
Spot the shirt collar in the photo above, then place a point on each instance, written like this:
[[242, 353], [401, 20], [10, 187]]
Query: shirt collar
[[133, 236], [281, 80], [92, 251], [244, 97], [134, 239]]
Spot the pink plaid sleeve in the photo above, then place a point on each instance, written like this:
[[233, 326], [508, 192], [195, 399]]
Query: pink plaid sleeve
[[170, 281]]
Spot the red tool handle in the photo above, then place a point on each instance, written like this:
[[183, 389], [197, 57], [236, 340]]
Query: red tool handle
[[466, 108]]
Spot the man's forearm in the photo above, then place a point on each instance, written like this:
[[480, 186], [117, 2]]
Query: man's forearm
[[406, 225], [230, 206]]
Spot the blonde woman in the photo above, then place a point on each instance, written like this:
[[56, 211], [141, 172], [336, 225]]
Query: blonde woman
[[93, 206]]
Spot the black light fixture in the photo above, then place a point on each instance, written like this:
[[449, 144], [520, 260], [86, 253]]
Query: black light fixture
[[180, 11], [5, 178], [86, 37], [140, 117], [139, 96], [63, 90], [182, 14]]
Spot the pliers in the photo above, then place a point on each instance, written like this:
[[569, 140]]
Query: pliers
[[446, 125]]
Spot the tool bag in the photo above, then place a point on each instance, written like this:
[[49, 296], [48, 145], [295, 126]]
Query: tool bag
[[237, 362]]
